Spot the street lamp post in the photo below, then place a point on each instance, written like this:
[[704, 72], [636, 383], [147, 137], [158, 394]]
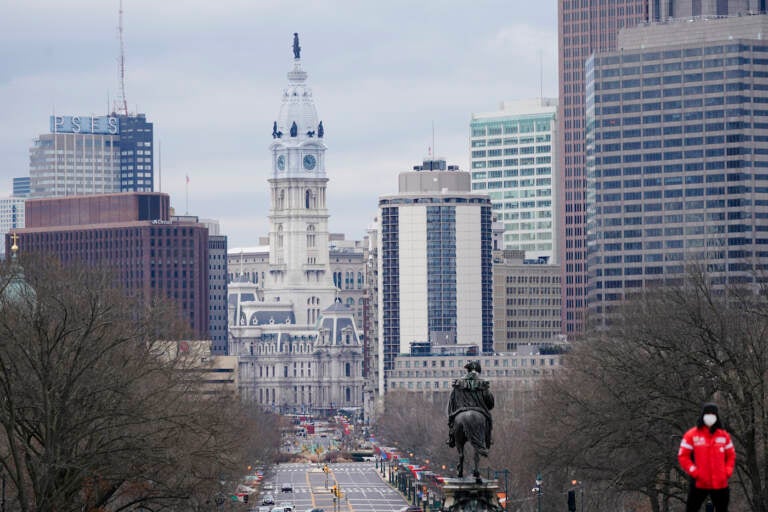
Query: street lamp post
[[537, 489]]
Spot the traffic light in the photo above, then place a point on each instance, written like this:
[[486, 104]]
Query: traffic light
[[571, 501]]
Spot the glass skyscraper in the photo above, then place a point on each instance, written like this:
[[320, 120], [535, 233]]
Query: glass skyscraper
[[513, 159], [677, 156]]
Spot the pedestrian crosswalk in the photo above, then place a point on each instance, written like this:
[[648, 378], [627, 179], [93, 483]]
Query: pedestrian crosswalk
[[335, 466]]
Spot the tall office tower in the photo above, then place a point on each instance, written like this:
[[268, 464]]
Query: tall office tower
[[132, 233], [584, 27], [513, 158], [677, 145], [11, 215], [435, 281], [84, 155], [217, 294], [21, 186], [217, 287]]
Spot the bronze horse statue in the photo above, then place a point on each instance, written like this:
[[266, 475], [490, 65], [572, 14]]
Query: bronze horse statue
[[470, 426], [469, 417]]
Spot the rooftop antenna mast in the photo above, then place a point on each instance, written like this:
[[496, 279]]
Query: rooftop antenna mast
[[123, 101]]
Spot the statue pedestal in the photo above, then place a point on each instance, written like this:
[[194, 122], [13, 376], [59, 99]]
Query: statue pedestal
[[466, 495]]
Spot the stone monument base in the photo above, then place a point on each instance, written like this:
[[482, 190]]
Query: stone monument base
[[469, 495]]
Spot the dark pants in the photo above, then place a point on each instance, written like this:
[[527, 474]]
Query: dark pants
[[697, 496]]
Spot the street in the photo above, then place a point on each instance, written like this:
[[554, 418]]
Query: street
[[362, 487]]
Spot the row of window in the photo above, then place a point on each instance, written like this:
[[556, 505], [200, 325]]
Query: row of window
[[481, 143], [677, 54], [511, 127], [526, 150], [512, 173], [479, 164], [677, 244]]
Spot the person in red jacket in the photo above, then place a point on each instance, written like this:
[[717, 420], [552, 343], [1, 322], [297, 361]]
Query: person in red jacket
[[707, 455]]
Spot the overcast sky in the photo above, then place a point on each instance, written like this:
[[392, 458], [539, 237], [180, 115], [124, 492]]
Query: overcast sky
[[209, 75]]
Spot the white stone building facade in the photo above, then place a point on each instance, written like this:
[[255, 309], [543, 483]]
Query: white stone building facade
[[298, 348]]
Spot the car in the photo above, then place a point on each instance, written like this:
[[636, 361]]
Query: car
[[410, 508], [315, 510], [286, 487], [286, 506], [263, 509], [268, 499]]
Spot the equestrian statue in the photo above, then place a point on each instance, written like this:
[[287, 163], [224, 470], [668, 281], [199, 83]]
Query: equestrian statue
[[469, 416]]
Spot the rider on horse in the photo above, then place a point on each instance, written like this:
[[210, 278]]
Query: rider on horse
[[470, 393]]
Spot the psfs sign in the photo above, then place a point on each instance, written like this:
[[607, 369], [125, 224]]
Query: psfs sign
[[104, 125]]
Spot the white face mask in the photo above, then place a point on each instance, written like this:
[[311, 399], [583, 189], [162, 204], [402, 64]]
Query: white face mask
[[710, 419]]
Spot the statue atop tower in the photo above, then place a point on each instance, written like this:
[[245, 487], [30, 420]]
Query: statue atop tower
[[296, 47]]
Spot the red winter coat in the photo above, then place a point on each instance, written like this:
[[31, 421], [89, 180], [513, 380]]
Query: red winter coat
[[708, 457]]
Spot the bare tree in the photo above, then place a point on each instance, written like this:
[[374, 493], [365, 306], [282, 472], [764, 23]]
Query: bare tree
[[616, 414], [94, 414]]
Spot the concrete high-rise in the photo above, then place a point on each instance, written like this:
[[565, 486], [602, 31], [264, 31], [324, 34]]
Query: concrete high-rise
[[584, 27], [435, 281], [526, 301], [84, 155], [513, 160], [677, 156]]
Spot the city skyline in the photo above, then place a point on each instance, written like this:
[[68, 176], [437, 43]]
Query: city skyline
[[211, 79]]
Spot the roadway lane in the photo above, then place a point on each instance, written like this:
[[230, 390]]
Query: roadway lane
[[362, 487]]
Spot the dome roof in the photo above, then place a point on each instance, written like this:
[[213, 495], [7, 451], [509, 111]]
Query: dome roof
[[14, 288], [298, 106]]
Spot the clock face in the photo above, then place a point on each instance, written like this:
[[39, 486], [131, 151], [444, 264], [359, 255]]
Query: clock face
[[281, 162], [309, 162]]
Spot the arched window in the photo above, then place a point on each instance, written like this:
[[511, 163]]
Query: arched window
[[348, 394], [281, 199], [307, 197], [279, 241], [347, 370]]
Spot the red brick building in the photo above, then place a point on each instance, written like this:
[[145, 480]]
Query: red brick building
[[132, 233]]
